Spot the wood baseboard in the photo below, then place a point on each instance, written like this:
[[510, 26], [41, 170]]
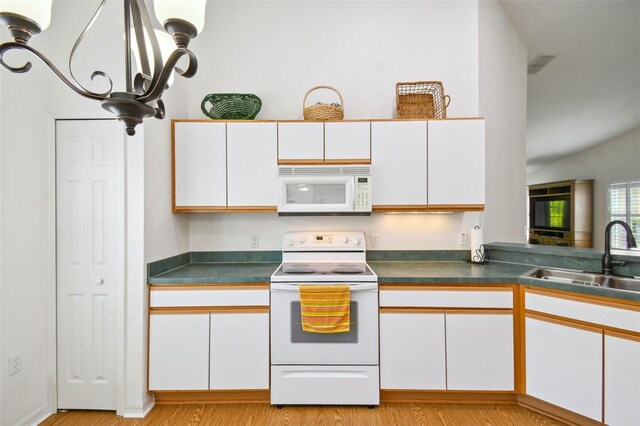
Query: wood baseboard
[[443, 397], [213, 396], [555, 412]]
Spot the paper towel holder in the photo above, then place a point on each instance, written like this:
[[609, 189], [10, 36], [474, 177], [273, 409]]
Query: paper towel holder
[[478, 256]]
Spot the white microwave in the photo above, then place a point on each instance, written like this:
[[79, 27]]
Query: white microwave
[[324, 190]]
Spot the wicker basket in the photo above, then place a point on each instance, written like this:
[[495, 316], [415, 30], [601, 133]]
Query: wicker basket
[[231, 106], [421, 99], [323, 112]]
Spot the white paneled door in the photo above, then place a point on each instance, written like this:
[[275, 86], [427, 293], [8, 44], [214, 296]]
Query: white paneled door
[[90, 259]]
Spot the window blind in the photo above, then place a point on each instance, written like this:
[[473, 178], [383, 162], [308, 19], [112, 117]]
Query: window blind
[[624, 204]]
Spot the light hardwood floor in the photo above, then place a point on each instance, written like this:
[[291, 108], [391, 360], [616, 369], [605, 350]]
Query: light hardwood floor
[[264, 414]]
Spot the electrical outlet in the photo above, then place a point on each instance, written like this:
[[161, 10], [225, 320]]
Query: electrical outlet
[[255, 241], [463, 239], [15, 364], [375, 240]]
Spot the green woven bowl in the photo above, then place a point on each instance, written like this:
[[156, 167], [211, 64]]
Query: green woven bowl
[[231, 106]]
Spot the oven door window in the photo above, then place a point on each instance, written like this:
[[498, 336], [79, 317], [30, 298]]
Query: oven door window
[[300, 336]]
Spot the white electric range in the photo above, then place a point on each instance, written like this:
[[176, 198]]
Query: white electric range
[[316, 368]]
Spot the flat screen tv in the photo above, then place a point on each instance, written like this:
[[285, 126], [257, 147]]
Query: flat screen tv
[[552, 212]]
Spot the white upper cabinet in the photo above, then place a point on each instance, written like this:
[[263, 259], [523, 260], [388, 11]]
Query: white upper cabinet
[[200, 175], [456, 162], [399, 164], [300, 141], [252, 165], [347, 142]]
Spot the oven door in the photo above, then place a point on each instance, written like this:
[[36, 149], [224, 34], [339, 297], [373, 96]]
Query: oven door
[[290, 345], [316, 194]]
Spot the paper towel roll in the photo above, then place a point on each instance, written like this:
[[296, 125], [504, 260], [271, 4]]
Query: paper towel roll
[[477, 239]]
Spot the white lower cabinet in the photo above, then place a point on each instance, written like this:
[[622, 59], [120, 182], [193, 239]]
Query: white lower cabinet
[[621, 379], [564, 366], [479, 351], [239, 350], [179, 351], [412, 351]]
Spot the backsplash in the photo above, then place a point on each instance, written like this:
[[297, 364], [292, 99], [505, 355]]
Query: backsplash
[[233, 232]]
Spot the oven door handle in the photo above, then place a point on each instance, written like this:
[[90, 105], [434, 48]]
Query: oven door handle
[[352, 287]]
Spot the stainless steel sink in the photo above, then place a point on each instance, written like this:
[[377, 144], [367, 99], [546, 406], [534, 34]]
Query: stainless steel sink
[[620, 283], [570, 277]]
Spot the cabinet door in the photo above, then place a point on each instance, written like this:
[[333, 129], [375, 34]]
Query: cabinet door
[[412, 350], [621, 380], [200, 166], [479, 351], [348, 142], [564, 366], [179, 351], [456, 162], [240, 350], [252, 165], [399, 163], [300, 142]]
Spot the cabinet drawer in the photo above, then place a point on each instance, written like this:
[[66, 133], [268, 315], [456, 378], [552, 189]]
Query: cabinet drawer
[[626, 319], [431, 298], [161, 298]]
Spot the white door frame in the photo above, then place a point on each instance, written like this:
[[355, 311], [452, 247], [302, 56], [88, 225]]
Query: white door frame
[[134, 263]]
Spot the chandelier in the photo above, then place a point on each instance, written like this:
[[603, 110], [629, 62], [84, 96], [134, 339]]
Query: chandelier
[[182, 19]]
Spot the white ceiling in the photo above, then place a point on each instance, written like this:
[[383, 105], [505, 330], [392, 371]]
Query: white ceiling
[[590, 92]]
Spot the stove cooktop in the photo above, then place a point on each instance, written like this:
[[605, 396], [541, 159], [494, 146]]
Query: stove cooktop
[[324, 271]]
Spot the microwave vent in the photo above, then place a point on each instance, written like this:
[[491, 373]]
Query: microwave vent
[[324, 171]]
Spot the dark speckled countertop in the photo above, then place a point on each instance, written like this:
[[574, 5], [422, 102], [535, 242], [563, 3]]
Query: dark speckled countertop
[[446, 272], [217, 272], [405, 267]]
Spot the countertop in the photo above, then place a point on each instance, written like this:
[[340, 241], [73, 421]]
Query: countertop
[[446, 272], [217, 272]]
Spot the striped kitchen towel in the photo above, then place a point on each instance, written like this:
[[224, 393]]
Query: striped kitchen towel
[[325, 308]]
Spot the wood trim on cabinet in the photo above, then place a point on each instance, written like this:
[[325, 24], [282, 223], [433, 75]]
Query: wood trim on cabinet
[[179, 310], [209, 286], [445, 287], [366, 161], [173, 167], [442, 396], [455, 207], [479, 311], [251, 209], [239, 309], [580, 323], [390, 208], [626, 335], [206, 120], [300, 162], [555, 412], [401, 310], [563, 321], [519, 341], [213, 396], [586, 298], [199, 209]]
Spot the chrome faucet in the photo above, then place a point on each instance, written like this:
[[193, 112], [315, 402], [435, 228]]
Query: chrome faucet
[[607, 262]]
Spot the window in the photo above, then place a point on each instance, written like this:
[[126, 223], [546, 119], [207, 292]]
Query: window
[[624, 204]]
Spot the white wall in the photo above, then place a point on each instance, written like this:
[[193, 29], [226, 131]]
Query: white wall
[[610, 162], [281, 49], [503, 101]]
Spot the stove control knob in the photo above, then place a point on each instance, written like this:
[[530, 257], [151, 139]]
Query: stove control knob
[[290, 242], [357, 241], [302, 240], [345, 239]]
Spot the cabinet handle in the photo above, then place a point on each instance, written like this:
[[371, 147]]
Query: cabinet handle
[[100, 281]]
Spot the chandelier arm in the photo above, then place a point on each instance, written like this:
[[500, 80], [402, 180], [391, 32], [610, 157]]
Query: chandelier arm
[[5, 47], [141, 15], [158, 87], [73, 52]]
